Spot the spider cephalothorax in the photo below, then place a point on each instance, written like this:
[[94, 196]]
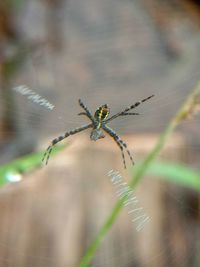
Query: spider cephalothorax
[[98, 125], [101, 114]]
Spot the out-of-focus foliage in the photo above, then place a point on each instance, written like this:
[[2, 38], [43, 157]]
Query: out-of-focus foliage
[[179, 174], [14, 4], [23, 165]]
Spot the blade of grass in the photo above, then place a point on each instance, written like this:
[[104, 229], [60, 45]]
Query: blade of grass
[[179, 174], [24, 164], [187, 109]]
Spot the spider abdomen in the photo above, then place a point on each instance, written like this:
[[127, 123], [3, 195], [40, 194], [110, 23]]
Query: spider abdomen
[[96, 134]]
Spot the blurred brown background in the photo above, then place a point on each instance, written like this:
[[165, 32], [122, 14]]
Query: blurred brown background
[[114, 52]]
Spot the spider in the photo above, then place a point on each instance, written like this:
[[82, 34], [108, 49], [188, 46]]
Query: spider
[[98, 123]]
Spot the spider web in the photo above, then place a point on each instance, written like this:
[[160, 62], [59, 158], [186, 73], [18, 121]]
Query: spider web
[[35, 117], [114, 78]]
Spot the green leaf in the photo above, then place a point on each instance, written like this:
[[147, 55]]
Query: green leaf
[[24, 164], [180, 174]]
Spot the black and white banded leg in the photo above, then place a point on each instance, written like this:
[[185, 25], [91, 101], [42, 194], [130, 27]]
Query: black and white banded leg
[[119, 145], [119, 142], [129, 113], [127, 109], [87, 112], [128, 152], [60, 138]]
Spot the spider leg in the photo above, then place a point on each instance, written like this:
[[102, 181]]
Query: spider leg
[[129, 113], [119, 145], [82, 113], [60, 138], [122, 151], [87, 112], [128, 152], [119, 142], [128, 108]]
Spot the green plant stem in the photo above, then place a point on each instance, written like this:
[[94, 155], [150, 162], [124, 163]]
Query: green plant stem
[[186, 110]]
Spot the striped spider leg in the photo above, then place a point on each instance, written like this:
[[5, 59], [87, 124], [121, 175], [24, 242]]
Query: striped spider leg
[[87, 112], [74, 131], [125, 111], [119, 142], [60, 138]]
